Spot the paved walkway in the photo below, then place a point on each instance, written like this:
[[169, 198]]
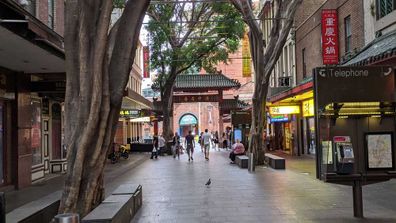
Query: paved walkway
[[53, 183], [174, 191]]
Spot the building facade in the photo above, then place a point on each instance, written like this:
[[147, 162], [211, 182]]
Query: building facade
[[366, 36], [32, 76], [134, 105]]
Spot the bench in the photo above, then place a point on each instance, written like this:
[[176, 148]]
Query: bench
[[242, 161], [41, 210], [275, 162], [121, 206]]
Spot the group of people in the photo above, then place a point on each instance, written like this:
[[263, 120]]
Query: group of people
[[206, 141]]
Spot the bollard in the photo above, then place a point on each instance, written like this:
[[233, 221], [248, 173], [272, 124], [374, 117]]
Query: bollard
[[67, 218], [251, 165], [2, 208]]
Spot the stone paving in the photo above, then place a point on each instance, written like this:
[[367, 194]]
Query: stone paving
[[174, 191]]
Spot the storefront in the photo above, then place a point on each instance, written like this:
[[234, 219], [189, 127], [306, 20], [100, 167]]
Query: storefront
[[284, 125], [308, 111]]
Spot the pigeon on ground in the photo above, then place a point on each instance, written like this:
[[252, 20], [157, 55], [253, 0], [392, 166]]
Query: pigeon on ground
[[208, 183]]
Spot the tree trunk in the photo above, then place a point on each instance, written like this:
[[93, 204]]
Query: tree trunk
[[167, 104], [98, 63]]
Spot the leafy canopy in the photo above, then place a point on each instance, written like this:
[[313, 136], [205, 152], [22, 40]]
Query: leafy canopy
[[185, 37]]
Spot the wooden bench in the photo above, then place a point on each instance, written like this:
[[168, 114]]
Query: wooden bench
[[275, 162], [242, 161], [41, 210], [121, 206]]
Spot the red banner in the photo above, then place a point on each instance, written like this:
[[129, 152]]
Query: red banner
[[146, 62], [330, 36]]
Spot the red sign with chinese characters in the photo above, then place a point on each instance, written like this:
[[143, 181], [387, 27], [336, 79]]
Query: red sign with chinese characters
[[330, 36], [146, 61]]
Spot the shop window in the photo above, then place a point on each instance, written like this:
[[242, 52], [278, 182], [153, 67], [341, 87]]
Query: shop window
[[348, 34], [36, 132], [384, 7], [29, 5]]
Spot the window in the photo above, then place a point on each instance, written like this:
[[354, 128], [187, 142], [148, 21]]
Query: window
[[384, 7], [29, 5], [51, 13], [348, 34], [304, 65]]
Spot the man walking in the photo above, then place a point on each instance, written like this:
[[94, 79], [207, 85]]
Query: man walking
[[161, 144], [207, 138], [190, 145]]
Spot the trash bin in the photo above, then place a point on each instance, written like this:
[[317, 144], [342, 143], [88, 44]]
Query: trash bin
[[67, 218], [251, 165]]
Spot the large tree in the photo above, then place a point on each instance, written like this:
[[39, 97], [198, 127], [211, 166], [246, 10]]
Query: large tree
[[189, 35], [99, 58], [264, 57]]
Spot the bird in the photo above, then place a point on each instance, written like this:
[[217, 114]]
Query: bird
[[208, 183]]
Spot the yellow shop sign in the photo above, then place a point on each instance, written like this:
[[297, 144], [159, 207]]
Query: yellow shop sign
[[308, 108], [284, 110]]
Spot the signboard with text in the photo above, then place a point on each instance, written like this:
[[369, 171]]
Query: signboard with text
[[329, 37], [284, 110], [195, 98], [146, 62], [246, 61]]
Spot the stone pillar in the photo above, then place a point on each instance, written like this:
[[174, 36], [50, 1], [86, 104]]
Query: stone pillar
[[221, 123]]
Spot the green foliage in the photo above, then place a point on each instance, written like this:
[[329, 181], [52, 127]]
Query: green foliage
[[186, 37], [119, 3]]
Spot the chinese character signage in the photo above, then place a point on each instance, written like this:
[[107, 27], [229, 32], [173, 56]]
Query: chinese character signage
[[308, 108], [195, 98], [146, 61], [329, 36], [284, 110], [129, 113], [246, 64]]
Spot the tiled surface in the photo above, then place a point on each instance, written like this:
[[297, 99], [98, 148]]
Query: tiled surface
[[174, 191]]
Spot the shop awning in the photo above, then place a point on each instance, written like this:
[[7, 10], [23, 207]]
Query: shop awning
[[141, 120], [133, 100], [26, 44]]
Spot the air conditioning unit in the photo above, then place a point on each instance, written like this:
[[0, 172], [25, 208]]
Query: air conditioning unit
[[284, 82]]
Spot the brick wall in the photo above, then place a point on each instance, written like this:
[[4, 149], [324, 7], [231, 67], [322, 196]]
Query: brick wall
[[42, 14], [199, 110], [308, 34]]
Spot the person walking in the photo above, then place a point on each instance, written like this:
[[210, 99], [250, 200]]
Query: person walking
[[154, 152], [216, 140], [190, 144], [224, 140], [161, 144], [176, 145], [200, 141], [207, 137]]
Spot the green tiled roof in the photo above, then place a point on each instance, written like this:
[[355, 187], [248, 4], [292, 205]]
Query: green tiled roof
[[205, 81], [379, 49]]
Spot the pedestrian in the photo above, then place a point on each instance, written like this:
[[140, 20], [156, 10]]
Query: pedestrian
[[176, 145], [161, 144], [237, 149], [224, 140], [207, 137], [190, 144], [154, 152], [200, 141], [216, 140]]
